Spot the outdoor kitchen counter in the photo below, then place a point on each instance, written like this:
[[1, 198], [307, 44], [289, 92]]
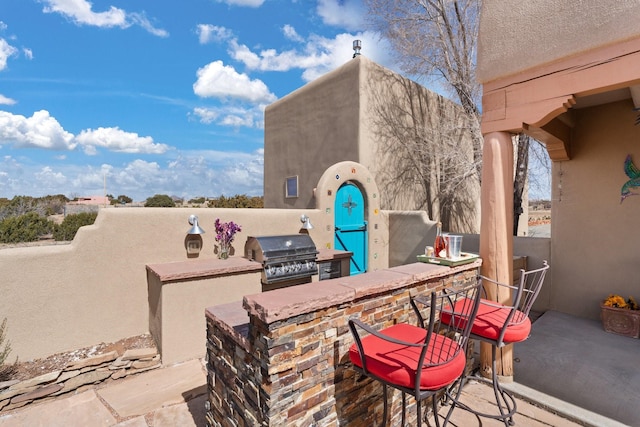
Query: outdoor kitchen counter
[[201, 268], [281, 357], [211, 267], [288, 302], [179, 292]]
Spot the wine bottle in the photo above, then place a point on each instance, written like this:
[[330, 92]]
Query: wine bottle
[[439, 245]]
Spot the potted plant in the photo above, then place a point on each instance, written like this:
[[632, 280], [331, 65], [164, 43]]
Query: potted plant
[[225, 233], [620, 316]]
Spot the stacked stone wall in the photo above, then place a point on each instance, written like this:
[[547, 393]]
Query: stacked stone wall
[[297, 372], [89, 371]]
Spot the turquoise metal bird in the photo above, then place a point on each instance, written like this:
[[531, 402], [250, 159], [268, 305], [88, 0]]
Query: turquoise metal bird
[[634, 179]]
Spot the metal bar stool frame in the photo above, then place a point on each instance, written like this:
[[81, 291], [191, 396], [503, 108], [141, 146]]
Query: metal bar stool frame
[[517, 312], [437, 336]]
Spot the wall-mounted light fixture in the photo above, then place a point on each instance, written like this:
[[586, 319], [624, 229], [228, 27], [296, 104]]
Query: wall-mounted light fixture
[[193, 241], [306, 222], [193, 220]]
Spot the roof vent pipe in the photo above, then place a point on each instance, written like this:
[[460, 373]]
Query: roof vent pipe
[[357, 45]]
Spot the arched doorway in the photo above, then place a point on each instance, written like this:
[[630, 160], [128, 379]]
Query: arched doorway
[[351, 226]]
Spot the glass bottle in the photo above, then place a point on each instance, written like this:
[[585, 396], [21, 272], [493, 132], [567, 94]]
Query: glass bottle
[[439, 245]]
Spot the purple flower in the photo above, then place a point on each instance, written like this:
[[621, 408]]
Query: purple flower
[[226, 231]]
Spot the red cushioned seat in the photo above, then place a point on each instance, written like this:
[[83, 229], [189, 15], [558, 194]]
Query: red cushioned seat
[[490, 321], [397, 364]]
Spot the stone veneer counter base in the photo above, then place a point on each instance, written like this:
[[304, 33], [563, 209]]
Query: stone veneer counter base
[[281, 357]]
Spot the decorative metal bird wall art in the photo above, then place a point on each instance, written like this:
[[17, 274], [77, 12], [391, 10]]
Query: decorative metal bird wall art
[[634, 179]]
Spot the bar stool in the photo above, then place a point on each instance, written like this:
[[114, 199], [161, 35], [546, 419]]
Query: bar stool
[[418, 361], [502, 324]]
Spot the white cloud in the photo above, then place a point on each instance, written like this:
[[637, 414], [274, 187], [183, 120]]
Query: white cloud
[[212, 33], [206, 115], [346, 14], [48, 177], [115, 139], [28, 53], [202, 173], [215, 80], [6, 50], [141, 20], [291, 33], [80, 12], [6, 101], [251, 117], [316, 57], [38, 131], [247, 3], [43, 131]]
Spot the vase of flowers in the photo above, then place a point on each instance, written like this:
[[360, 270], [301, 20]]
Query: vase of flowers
[[225, 233], [620, 316]]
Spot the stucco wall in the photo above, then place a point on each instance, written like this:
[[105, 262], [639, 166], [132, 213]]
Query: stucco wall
[[365, 113], [64, 297], [309, 130], [595, 237], [518, 35]]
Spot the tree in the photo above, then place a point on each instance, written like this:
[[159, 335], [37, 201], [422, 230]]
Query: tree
[[424, 151], [24, 228], [71, 223], [436, 40], [160, 201], [197, 200], [237, 201], [121, 200]]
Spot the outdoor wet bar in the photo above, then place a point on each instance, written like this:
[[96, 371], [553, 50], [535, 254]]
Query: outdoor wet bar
[[281, 357]]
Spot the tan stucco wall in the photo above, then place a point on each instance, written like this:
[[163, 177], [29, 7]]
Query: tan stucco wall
[[358, 113], [309, 130], [594, 236], [65, 297], [176, 319], [518, 35]]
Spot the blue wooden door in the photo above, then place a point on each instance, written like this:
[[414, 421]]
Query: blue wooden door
[[351, 227]]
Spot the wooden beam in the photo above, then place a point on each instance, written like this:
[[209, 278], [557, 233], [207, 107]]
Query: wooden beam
[[538, 95], [556, 136]]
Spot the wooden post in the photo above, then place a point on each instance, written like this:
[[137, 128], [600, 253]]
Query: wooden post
[[496, 239]]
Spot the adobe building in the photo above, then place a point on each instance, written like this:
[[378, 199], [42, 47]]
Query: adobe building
[[358, 113]]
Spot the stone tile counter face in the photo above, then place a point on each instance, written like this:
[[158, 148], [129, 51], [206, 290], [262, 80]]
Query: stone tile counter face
[[291, 367]]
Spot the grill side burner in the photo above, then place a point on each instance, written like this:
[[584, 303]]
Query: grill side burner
[[284, 258]]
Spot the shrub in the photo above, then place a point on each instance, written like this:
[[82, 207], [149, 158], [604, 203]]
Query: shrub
[[237, 201], [69, 227], [6, 370], [159, 201], [24, 228]]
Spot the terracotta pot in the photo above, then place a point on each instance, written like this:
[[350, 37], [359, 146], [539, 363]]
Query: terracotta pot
[[621, 321]]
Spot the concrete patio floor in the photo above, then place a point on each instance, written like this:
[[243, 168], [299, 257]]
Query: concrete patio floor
[[175, 396], [568, 364], [577, 362]]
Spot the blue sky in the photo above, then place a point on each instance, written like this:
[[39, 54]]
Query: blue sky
[[157, 96]]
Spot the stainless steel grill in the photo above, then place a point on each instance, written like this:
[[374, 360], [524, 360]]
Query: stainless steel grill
[[284, 258]]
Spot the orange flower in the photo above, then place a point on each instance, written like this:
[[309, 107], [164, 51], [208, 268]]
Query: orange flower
[[618, 302]]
